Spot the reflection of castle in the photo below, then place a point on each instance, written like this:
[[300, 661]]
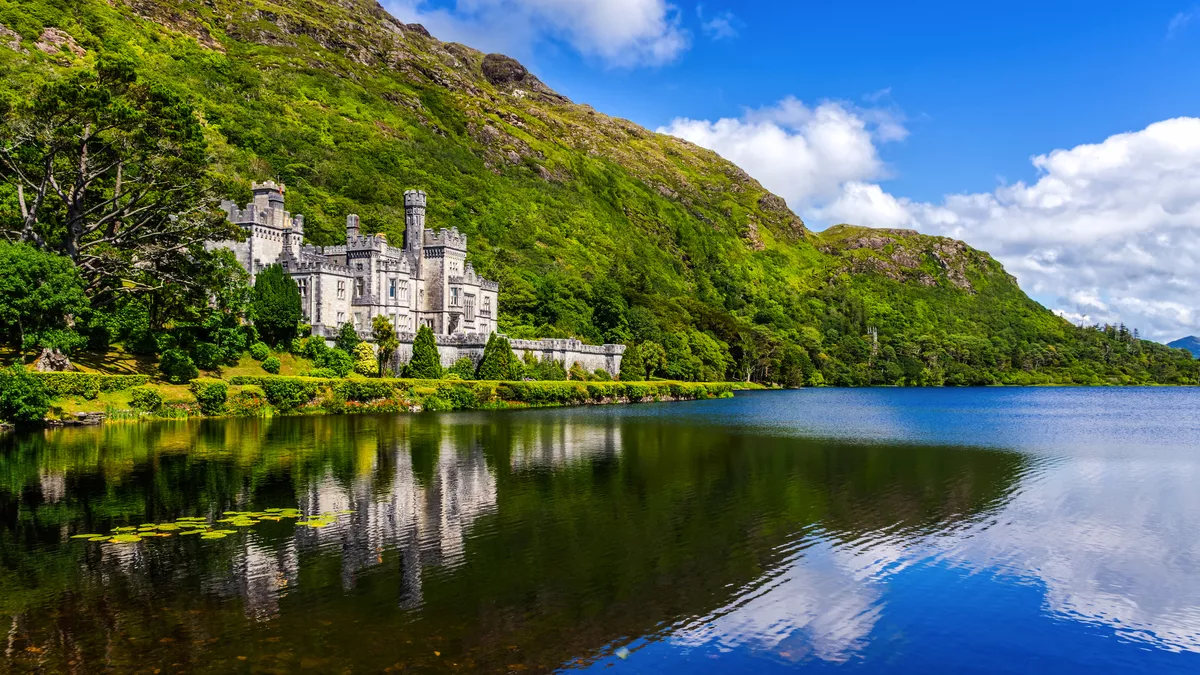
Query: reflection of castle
[[426, 281]]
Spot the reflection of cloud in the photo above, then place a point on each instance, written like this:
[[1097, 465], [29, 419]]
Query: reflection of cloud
[[823, 604], [1109, 549]]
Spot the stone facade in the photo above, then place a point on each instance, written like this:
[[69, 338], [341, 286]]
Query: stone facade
[[425, 281]]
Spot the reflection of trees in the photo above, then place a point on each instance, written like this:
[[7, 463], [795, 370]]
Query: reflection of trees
[[471, 534]]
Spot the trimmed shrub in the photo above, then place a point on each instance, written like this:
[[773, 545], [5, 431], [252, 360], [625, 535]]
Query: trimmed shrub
[[145, 398], [259, 351], [314, 349], [287, 393], [319, 372], [272, 365], [464, 368], [24, 398], [177, 367], [426, 364], [434, 404], [87, 384], [363, 390], [211, 395], [497, 361]]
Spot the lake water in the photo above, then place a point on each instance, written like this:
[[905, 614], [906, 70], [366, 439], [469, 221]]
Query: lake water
[[889, 531]]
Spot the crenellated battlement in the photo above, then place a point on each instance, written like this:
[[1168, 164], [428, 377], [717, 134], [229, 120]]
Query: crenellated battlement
[[414, 199], [451, 238]]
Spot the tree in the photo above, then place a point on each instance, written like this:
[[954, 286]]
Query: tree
[[365, 362], [347, 338], [653, 358], [496, 363], [464, 368], [386, 341], [40, 295], [276, 305], [632, 369], [111, 171], [426, 364], [24, 399]]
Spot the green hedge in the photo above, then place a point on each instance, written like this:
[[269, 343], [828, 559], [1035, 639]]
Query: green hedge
[[289, 393], [88, 384], [211, 395]]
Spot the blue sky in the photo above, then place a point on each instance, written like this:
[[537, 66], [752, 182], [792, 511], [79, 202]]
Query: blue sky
[[928, 115]]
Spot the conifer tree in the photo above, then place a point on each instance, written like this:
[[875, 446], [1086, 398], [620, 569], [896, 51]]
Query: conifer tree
[[276, 305], [426, 364], [497, 360]]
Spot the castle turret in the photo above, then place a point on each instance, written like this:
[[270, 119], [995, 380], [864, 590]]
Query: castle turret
[[414, 220], [268, 195], [351, 226]]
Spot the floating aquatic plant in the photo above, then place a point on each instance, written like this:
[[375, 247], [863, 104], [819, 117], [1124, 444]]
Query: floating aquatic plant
[[199, 525]]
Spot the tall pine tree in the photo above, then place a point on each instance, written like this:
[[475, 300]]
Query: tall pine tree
[[276, 305], [497, 360], [426, 364]]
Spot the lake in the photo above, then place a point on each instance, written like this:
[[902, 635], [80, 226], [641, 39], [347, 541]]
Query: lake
[[878, 531]]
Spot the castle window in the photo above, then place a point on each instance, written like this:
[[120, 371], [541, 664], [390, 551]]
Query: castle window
[[392, 288], [302, 284], [487, 306], [341, 293], [470, 310], [454, 297], [341, 318], [358, 266], [359, 287]]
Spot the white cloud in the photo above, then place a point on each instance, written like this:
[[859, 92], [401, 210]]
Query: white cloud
[[723, 26], [622, 33], [1109, 231], [803, 154]]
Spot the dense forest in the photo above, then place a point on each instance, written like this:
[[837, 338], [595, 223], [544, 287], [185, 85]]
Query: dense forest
[[595, 227]]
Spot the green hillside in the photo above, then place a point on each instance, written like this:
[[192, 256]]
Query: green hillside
[[595, 227]]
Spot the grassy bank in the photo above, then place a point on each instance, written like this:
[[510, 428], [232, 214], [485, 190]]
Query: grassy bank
[[136, 396]]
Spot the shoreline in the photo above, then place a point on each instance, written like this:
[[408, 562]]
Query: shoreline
[[81, 399]]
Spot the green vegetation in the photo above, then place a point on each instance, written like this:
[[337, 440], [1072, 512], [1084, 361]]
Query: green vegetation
[[425, 363], [595, 228], [386, 340], [276, 305], [24, 398], [496, 363]]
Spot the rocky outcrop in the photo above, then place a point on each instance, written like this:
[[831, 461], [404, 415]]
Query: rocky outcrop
[[904, 255], [56, 41], [11, 39], [53, 361]]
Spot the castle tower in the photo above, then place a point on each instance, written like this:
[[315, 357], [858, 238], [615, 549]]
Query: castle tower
[[414, 220], [351, 227]]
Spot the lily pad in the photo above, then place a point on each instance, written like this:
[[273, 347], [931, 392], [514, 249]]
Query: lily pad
[[125, 539], [86, 536], [213, 535]]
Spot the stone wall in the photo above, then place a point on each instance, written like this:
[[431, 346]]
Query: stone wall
[[471, 345]]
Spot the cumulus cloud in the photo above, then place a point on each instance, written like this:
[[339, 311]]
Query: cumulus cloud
[[804, 154], [1108, 232], [623, 33]]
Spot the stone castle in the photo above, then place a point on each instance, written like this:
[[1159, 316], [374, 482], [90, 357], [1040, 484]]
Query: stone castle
[[426, 281]]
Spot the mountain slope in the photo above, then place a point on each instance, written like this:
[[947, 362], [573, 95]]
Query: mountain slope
[[595, 227], [1190, 343]]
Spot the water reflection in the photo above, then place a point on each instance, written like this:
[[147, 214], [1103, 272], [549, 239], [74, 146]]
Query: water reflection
[[547, 539]]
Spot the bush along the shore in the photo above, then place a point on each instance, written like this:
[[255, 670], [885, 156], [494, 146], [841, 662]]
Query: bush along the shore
[[316, 395]]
